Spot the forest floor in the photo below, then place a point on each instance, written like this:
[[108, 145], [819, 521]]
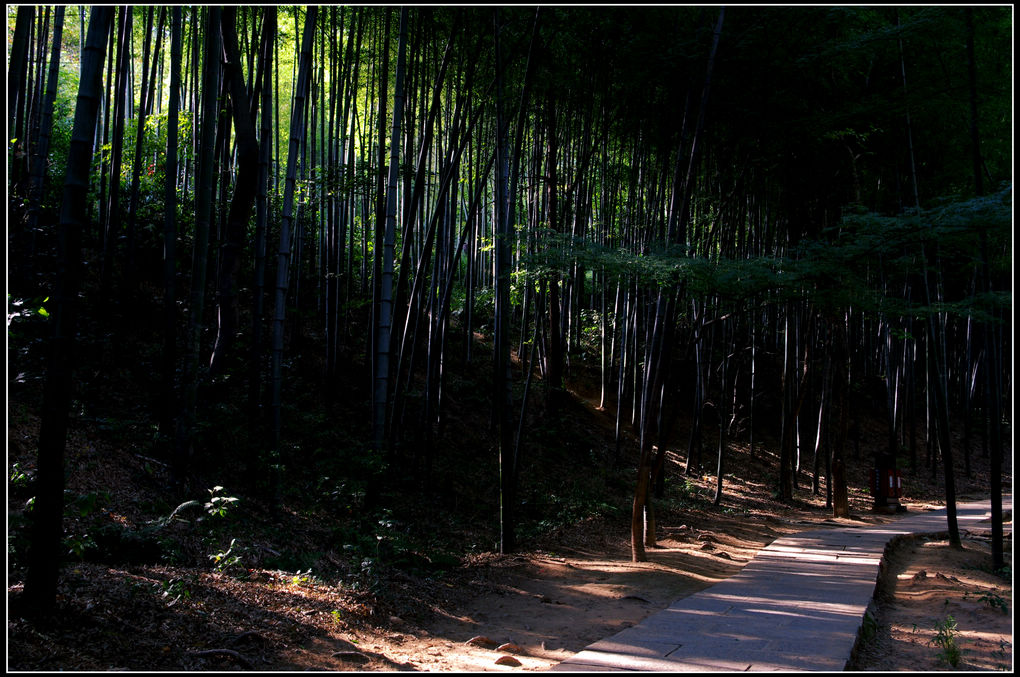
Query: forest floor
[[572, 585], [941, 605]]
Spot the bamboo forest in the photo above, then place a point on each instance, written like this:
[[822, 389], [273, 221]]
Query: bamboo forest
[[340, 334]]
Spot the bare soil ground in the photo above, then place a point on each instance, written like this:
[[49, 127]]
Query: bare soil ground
[[933, 591]]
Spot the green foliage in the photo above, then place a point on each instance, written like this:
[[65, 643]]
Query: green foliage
[[575, 501], [591, 331], [945, 638], [681, 494], [227, 559], [849, 265], [217, 506], [994, 600], [80, 540], [24, 309], [83, 505], [220, 513], [173, 590], [484, 309], [79, 545], [344, 496], [867, 245], [156, 541], [17, 535], [19, 479], [869, 627]]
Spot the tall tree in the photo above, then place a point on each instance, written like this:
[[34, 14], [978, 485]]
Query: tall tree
[[47, 530], [502, 384], [123, 98], [41, 155], [384, 317], [297, 134], [658, 350], [193, 375], [262, 211], [992, 366], [148, 91], [168, 390], [17, 87], [245, 191]]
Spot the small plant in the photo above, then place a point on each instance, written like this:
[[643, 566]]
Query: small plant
[[1002, 653], [302, 578], [84, 505], [994, 600], [19, 478], [174, 590], [1005, 571], [869, 627], [79, 545], [945, 639], [219, 506], [222, 561]]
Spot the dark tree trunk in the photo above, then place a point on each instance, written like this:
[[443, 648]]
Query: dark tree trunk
[[993, 371], [502, 383], [384, 315], [47, 529], [245, 191], [943, 437], [841, 404], [120, 106], [656, 358], [168, 390], [794, 391], [203, 216], [255, 365], [724, 412]]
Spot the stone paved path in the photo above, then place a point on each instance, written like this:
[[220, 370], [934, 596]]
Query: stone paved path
[[796, 606]]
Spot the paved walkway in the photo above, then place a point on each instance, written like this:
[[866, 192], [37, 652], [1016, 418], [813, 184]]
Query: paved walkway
[[796, 606]]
